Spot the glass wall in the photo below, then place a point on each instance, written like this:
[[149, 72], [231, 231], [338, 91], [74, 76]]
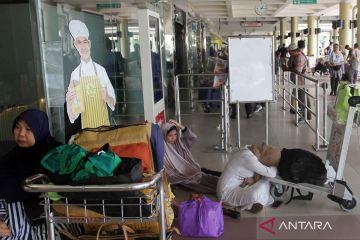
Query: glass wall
[[114, 48], [44, 62], [21, 84]]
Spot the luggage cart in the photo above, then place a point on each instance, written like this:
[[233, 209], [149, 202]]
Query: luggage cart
[[153, 201], [336, 188]]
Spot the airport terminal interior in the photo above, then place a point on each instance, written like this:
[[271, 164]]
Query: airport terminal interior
[[197, 62]]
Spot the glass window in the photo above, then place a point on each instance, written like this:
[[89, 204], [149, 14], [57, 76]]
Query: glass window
[[21, 84], [92, 68]]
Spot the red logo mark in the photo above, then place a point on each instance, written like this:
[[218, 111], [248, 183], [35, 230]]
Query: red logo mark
[[269, 230]]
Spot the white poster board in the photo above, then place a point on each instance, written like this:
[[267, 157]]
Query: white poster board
[[251, 68]]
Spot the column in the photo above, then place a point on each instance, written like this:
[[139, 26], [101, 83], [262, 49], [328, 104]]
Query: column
[[335, 36], [311, 49], [294, 29], [276, 41], [358, 23], [123, 41], [331, 35], [345, 14], [282, 31]]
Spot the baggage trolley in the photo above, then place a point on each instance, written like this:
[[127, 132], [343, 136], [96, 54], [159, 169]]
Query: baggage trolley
[[153, 200], [336, 188]]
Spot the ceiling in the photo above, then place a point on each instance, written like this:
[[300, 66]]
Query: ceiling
[[227, 17]]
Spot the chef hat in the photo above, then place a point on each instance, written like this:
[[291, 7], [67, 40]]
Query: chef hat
[[78, 29]]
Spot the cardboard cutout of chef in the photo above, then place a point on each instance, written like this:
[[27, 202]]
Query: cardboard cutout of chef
[[90, 89]]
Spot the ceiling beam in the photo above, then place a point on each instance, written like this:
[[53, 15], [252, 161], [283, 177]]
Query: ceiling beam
[[285, 5]]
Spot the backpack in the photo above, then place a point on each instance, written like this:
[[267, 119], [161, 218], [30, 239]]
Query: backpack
[[345, 91], [300, 166]]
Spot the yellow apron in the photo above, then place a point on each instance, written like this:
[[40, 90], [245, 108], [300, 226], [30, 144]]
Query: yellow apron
[[95, 110]]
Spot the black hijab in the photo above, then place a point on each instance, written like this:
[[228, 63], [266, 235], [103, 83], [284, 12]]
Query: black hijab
[[21, 163]]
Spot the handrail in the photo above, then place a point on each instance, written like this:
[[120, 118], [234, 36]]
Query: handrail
[[32, 186], [286, 85], [224, 127]]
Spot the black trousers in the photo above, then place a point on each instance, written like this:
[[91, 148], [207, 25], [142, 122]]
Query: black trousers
[[334, 81], [248, 109]]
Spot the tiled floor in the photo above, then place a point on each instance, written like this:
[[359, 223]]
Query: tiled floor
[[283, 133]]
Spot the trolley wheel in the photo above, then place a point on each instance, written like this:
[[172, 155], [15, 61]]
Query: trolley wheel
[[348, 205], [277, 190]]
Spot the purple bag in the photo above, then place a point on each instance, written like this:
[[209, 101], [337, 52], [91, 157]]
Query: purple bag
[[201, 217]]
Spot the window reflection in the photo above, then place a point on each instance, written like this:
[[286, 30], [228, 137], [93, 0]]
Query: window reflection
[[155, 58]]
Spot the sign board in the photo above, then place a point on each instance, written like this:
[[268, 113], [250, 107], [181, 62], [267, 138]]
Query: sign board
[[304, 2], [108, 5], [251, 68], [251, 24]]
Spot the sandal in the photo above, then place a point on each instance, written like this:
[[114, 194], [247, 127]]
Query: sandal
[[5, 231]]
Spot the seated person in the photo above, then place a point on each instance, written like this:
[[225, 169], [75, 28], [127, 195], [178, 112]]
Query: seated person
[[180, 166], [33, 140], [320, 67], [241, 184]]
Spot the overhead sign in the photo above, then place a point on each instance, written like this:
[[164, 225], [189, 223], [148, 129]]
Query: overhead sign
[[108, 5], [304, 2], [251, 24]]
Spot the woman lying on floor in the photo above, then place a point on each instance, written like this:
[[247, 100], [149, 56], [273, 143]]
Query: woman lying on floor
[[180, 166]]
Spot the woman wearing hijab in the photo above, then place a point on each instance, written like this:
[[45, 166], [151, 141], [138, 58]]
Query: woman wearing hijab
[[241, 183], [180, 166], [33, 140]]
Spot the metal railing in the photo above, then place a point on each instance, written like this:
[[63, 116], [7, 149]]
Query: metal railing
[[39, 184], [284, 86], [224, 104]]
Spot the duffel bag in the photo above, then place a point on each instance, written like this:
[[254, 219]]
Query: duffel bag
[[126, 141]]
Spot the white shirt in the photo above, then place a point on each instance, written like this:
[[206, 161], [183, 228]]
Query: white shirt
[[355, 63], [242, 166], [87, 69]]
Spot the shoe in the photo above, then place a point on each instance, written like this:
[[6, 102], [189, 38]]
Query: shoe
[[206, 109], [256, 208], [231, 213], [276, 204], [331, 93], [258, 108], [5, 231], [301, 121]]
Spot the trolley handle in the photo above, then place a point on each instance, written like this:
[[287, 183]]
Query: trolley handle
[[30, 186], [36, 179], [353, 101]]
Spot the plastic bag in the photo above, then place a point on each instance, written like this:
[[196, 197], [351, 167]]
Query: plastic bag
[[201, 217]]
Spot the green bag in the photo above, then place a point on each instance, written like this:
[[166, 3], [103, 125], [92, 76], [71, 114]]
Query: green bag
[[74, 163], [345, 91]]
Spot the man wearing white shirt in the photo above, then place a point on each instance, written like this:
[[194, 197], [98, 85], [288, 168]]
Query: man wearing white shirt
[[355, 63], [90, 89]]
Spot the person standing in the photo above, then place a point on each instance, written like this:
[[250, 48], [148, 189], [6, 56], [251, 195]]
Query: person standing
[[292, 49], [90, 90], [355, 63], [336, 62]]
